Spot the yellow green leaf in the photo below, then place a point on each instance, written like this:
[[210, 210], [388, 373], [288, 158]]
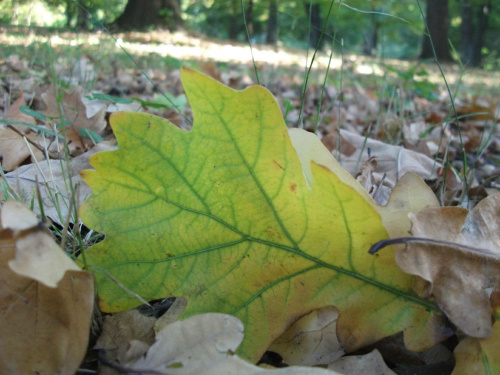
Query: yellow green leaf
[[228, 217], [480, 355]]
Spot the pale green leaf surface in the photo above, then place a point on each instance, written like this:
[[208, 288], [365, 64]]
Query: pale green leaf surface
[[223, 216], [480, 355]]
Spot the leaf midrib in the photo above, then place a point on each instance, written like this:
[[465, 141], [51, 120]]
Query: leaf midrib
[[250, 169], [244, 237]]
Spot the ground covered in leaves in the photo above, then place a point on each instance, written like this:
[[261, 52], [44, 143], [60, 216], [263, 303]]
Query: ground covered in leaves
[[380, 119]]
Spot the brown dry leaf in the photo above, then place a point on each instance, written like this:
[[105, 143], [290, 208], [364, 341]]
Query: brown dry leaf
[[368, 364], [461, 261], [95, 106], [10, 217], [121, 327], [331, 142], [478, 111], [37, 256], [34, 260], [75, 112], [434, 117], [76, 143], [15, 63], [52, 179], [393, 161], [172, 314], [365, 175], [312, 340], [480, 356], [210, 69], [43, 329], [81, 71], [205, 344], [126, 336], [14, 114], [14, 150]]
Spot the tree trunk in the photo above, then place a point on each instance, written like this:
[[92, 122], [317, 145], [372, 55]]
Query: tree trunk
[[82, 22], [142, 14], [272, 23], [473, 32], [371, 41], [235, 21], [249, 18], [467, 32], [76, 17], [69, 12], [438, 20], [313, 12], [483, 12]]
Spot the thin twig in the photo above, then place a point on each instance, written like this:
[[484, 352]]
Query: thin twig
[[51, 154], [427, 241], [112, 278]]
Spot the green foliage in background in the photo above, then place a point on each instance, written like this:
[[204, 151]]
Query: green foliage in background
[[60, 13], [398, 23], [388, 29]]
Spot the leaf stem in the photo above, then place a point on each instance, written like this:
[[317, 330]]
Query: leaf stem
[[426, 241]]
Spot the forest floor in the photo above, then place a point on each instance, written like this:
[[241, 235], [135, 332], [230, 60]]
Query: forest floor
[[402, 103], [380, 118]]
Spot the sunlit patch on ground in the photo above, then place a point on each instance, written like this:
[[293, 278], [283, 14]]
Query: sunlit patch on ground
[[183, 46]]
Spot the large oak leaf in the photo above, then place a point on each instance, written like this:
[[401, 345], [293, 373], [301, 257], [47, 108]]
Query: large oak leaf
[[229, 217]]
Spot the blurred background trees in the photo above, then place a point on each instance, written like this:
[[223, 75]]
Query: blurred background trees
[[435, 38], [140, 14], [383, 28]]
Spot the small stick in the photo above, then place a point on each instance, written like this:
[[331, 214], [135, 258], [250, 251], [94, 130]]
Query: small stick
[[427, 241], [51, 154]]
